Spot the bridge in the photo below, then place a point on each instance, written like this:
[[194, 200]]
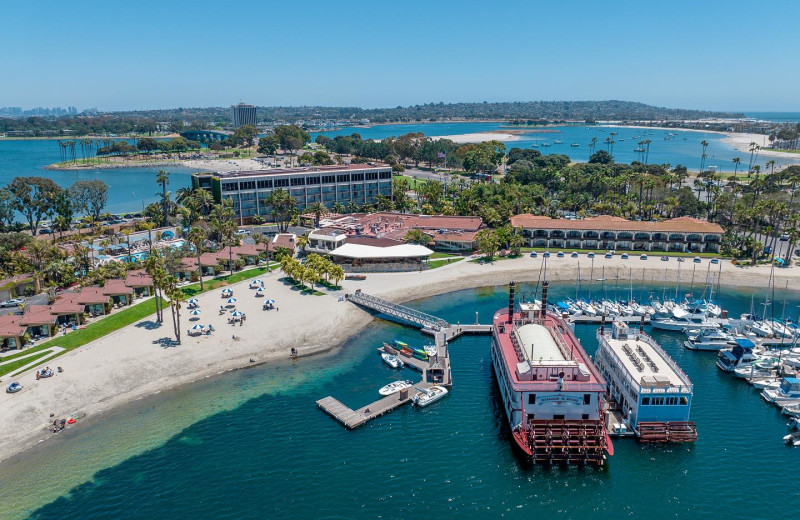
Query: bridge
[[205, 136], [428, 322]]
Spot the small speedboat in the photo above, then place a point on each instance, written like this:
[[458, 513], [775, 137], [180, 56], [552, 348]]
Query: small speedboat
[[396, 386], [431, 350], [420, 354], [766, 383], [428, 396], [793, 439], [392, 360], [13, 387]]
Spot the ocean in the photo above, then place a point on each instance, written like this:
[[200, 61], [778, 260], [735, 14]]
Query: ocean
[[252, 444]]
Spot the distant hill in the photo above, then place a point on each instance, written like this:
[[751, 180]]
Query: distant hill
[[550, 110]]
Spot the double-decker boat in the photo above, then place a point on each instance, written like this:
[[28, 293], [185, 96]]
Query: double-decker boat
[[552, 393]]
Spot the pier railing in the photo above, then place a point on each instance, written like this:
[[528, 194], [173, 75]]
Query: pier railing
[[424, 320]]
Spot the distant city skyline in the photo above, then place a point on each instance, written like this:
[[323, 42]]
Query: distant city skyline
[[711, 55]]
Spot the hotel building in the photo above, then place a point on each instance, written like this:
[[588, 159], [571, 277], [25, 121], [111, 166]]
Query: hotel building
[[360, 183], [244, 114], [606, 232]]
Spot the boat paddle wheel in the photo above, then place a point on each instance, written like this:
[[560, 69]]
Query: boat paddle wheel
[[674, 431], [564, 442]]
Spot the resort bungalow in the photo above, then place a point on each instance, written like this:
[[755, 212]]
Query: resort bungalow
[[66, 309], [683, 234], [187, 268], [118, 291], [38, 321], [93, 300], [11, 332], [284, 240], [380, 254], [245, 252], [140, 282]]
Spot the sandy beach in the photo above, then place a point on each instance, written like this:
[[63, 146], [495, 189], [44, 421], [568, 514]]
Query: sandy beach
[[140, 360], [480, 137]]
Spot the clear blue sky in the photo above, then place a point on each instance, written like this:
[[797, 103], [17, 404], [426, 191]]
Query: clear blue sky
[[708, 54]]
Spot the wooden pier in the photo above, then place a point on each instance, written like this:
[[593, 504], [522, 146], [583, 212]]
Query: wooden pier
[[595, 320], [435, 370]]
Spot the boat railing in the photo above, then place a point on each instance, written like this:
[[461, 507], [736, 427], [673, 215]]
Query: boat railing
[[667, 359], [517, 342]]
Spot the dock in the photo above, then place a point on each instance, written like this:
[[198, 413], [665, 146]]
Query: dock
[[435, 370], [595, 320]]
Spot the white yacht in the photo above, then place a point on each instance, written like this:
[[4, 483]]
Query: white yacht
[[395, 387], [428, 396], [709, 339], [392, 360], [787, 393], [740, 355], [681, 320]]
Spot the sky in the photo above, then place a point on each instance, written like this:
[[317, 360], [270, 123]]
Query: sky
[[706, 54]]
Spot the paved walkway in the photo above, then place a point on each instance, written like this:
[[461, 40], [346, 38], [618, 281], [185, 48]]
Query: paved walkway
[[50, 351]]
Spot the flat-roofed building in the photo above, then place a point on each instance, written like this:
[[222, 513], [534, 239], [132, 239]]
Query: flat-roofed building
[[684, 234], [359, 183], [244, 114]]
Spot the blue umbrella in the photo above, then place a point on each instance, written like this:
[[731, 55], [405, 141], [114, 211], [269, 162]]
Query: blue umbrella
[[231, 300], [270, 302], [236, 314], [194, 300], [197, 327], [195, 312]]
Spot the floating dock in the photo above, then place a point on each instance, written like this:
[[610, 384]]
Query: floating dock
[[596, 320], [435, 370]]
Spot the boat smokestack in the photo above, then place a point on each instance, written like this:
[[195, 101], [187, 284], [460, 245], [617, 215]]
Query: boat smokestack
[[602, 323], [543, 310], [511, 288]]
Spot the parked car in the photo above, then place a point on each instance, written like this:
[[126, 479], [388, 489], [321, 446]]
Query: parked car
[[715, 260], [697, 260], [45, 231], [784, 237], [574, 255], [665, 259], [12, 303], [546, 254], [609, 255], [533, 254], [681, 259], [560, 254], [624, 256], [590, 255], [643, 257]]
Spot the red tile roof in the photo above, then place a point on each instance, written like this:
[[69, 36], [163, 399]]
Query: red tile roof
[[189, 264], [10, 326], [92, 296], [138, 278], [245, 250], [610, 223], [287, 240], [38, 315], [116, 287], [67, 303]]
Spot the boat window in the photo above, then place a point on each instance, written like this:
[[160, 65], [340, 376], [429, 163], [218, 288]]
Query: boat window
[[531, 398], [645, 401], [587, 398], [684, 401], [585, 417]]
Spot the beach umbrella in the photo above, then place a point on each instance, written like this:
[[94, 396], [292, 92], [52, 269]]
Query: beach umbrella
[[197, 327], [195, 312], [231, 300], [270, 302], [260, 289], [236, 314], [257, 282], [194, 301], [227, 291]]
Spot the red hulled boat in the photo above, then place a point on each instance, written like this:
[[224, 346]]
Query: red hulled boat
[[552, 393]]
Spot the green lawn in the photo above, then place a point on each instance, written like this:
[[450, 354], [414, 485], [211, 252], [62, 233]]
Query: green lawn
[[92, 332], [440, 263], [10, 367], [442, 255], [222, 281]]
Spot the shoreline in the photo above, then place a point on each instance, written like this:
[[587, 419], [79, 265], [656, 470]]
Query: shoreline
[[108, 373]]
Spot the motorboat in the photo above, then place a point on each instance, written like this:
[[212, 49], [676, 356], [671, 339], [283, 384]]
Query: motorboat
[[586, 308], [792, 439], [13, 387], [394, 387], [792, 409], [762, 329], [431, 350], [420, 353], [788, 392], [740, 355], [427, 396], [708, 339], [392, 360], [757, 369], [780, 329], [703, 307], [769, 383]]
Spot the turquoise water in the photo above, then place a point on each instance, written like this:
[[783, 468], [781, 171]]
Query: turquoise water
[[129, 189], [684, 148], [252, 444]]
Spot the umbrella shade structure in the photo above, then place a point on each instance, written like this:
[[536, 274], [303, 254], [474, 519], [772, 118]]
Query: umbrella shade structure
[[260, 289], [193, 301], [256, 283], [236, 314], [231, 300], [269, 302], [195, 312], [226, 292], [197, 327]]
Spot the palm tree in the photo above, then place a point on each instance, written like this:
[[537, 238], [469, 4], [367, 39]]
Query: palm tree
[[162, 178], [204, 200], [736, 161], [417, 236], [703, 156], [196, 237], [317, 208]]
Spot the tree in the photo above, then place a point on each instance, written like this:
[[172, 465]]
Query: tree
[[222, 219], [196, 237], [176, 299], [162, 178], [6, 209], [244, 135], [64, 212], [155, 266], [268, 145], [322, 159], [417, 236], [306, 158], [33, 197], [147, 144], [281, 205], [317, 208], [291, 137], [487, 242], [601, 157], [89, 197]]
